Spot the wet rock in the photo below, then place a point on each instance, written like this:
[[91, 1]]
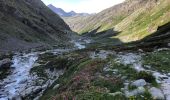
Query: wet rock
[[16, 97], [30, 91], [139, 83], [156, 93], [168, 74], [165, 87], [5, 63], [23, 81], [139, 90]]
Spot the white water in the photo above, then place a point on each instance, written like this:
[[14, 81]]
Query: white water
[[17, 81], [79, 45]]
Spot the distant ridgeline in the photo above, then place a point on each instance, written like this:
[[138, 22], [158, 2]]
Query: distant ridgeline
[[62, 13]]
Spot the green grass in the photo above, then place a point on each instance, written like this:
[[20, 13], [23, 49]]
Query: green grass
[[145, 23], [125, 70], [159, 61], [99, 96], [148, 77], [113, 87]]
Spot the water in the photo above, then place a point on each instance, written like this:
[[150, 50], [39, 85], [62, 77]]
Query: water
[[79, 45], [20, 78], [14, 83]]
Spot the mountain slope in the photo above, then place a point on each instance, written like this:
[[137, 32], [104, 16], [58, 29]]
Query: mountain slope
[[29, 23], [62, 13], [134, 19], [109, 17], [144, 21]]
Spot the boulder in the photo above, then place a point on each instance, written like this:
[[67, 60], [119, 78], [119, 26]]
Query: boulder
[[156, 93], [116, 93], [139, 83], [139, 90], [5, 63], [16, 97], [56, 86]]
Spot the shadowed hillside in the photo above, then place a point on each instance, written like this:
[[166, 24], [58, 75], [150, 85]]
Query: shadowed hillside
[[29, 23]]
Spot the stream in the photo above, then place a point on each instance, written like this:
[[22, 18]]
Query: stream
[[20, 82], [17, 81]]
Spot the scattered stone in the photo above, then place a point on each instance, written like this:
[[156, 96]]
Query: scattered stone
[[165, 87], [156, 93], [139, 83], [162, 49], [31, 90], [56, 86], [168, 44], [102, 54], [139, 90], [116, 93], [140, 50]]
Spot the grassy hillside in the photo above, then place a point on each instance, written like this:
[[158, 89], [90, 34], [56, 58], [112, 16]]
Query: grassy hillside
[[108, 18], [134, 19], [144, 21]]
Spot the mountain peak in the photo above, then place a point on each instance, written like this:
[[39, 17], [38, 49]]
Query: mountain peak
[[63, 13]]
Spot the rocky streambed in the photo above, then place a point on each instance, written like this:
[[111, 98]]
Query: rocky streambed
[[21, 83]]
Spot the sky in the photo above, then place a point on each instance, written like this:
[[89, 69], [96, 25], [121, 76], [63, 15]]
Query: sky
[[83, 6]]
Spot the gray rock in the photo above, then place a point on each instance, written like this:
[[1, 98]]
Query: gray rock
[[168, 44], [156, 93], [16, 97], [23, 81], [168, 74], [139, 83], [139, 90], [116, 93], [56, 86], [32, 90], [5, 63]]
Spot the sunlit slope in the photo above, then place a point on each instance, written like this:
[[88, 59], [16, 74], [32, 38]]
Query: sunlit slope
[[144, 21]]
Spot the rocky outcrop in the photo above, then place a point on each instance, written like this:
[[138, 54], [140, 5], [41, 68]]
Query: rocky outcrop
[[63, 13], [29, 24], [5, 63]]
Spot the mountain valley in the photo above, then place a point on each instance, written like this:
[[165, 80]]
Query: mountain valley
[[120, 53]]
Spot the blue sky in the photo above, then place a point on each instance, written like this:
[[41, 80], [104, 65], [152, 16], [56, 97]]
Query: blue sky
[[89, 6]]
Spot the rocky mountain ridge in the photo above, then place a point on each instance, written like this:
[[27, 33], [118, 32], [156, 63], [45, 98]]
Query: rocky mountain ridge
[[63, 13]]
